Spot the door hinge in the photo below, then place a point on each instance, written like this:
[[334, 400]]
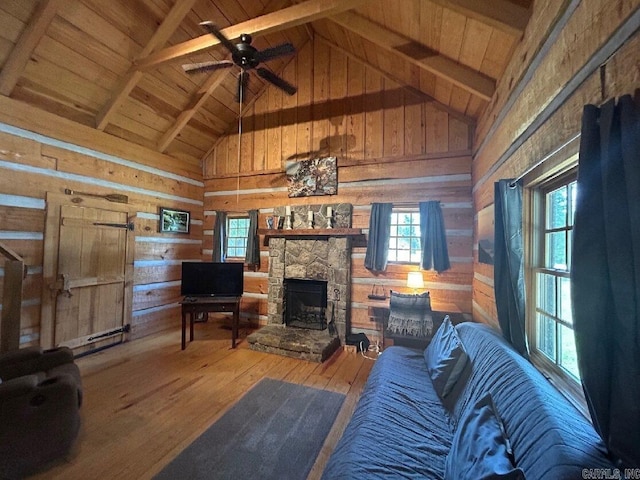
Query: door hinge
[[128, 226]]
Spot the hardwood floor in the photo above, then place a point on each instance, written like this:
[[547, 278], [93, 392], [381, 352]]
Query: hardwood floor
[[146, 400]]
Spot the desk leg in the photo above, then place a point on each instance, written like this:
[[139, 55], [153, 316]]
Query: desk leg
[[234, 326], [184, 330], [191, 326]]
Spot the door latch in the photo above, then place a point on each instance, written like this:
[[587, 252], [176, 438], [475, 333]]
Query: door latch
[[61, 286]]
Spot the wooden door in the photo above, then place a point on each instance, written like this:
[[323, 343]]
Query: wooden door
[[87, 274]]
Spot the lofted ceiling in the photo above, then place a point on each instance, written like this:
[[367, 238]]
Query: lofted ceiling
[[116, 65]]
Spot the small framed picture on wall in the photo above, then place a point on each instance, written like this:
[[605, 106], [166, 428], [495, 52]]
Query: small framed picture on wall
[[486, 235], [174, 221]]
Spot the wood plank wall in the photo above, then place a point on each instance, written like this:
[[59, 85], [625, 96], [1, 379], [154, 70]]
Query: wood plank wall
[[41, 153], [536, 114], [391, 145]]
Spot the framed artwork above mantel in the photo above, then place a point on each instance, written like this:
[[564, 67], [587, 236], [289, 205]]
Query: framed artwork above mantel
[[318, 176]]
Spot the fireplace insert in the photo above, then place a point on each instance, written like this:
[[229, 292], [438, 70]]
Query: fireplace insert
[[305, 303]]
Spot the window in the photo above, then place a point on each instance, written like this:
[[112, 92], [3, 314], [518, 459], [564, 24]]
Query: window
[[404, 240], [237, 232], [552, 331]]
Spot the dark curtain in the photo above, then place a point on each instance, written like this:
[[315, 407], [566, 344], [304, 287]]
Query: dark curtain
[[253, 241], [508, 269], [378, 242], [433, 238], [219, 237], [605, 273]]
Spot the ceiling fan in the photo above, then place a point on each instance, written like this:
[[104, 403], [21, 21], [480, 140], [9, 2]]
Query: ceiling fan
[[247, 58]]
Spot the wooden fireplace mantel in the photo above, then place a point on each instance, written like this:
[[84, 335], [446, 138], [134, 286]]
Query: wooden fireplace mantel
[[356, 234]]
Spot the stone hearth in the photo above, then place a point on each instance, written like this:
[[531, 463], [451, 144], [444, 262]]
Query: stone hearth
[[326, 258], [313, 345]]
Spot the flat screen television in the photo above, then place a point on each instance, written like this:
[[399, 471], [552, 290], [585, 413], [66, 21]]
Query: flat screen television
[[212, 279]]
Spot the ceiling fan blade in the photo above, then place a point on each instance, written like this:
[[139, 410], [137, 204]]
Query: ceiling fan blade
[[213, 30], [206, 66], [277, 51], [243, 82], [281, 83]]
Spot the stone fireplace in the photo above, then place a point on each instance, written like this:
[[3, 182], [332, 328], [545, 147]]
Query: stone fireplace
[[308, 258]]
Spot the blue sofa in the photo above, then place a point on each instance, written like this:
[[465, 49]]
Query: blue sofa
[[402, 429]]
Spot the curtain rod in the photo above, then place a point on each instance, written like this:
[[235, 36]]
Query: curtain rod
[[405, 204], [542, 160]]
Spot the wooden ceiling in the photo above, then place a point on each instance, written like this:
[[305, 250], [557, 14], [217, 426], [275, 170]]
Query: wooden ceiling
[[116, 65]]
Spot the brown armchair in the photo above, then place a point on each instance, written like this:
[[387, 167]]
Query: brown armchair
[[40, 398]]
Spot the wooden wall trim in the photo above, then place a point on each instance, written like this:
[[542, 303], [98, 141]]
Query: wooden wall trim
[[34, 167], [402, 282], [606, 50], [346, 162], [539, 136], [46, 140], [439, 179], [29, 118], [21, 201], [524, 80], [72, 177], [572, 143]]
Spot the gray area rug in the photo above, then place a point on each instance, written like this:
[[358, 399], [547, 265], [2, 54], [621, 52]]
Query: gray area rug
[[275, 431]]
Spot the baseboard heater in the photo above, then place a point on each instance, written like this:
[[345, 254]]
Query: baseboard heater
[[117, 331], [124, 329]]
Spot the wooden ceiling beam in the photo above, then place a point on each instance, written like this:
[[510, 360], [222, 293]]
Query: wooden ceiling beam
[[464, 77], [201, 96], [173, 19], [500, 14], [29, 39], [293, 16]]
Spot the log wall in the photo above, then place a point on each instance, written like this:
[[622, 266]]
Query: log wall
[[41, 153], [573, 53], [392, 146]]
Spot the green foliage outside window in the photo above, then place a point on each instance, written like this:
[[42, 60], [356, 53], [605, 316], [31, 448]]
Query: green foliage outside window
[[237, 232], [404, 239], [554, 320]]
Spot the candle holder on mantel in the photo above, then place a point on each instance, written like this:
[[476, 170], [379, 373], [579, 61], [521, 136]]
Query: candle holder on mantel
[[329, 217], [310, 219], [288, 215]]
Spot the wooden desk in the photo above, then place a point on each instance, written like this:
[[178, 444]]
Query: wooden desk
[[194, 305]]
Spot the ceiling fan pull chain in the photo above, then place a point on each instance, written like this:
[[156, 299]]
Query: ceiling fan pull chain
[[241, 99]]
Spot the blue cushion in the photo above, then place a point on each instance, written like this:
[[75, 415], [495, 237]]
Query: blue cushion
[[480, 448], [550, 438], [445, 357]]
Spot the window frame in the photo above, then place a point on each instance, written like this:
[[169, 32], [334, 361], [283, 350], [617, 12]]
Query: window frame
[[414, 212], [535, 240], [227, 246]]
